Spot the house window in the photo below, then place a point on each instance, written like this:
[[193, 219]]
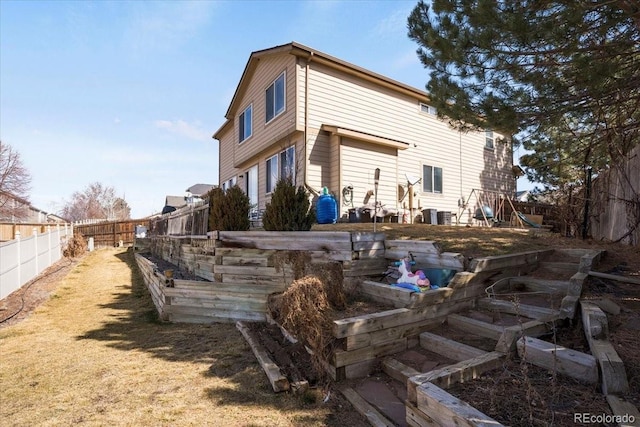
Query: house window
[[228, 184], [488, 137], [251, 186], [281, 165], [245, 127], [272, 173], [431, 179], [428, 109], [275, 98]]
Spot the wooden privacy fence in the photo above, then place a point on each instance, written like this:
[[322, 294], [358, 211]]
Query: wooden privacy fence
[[111, 233], [22, 259], [26, 229], [191, 220], [616, 202]]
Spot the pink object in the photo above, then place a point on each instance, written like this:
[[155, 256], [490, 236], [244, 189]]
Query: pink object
[[418, 278]]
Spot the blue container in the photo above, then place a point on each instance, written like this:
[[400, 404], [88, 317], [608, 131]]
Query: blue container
[[439, 276], [326, 209]]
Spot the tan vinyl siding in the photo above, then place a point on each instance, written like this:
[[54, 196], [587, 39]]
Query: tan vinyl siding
[[359, 161], [227, 170], [268, 69], [261, 160], [343, 100], [320, 173], [339, 99]]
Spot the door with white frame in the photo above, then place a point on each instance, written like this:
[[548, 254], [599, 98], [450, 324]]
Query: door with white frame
[[251, 183]]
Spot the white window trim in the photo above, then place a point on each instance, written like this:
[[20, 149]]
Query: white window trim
[[284, 107], [488, 136], [433, 180], [432, 111], [279, 158], [268, 172], [250, 106]]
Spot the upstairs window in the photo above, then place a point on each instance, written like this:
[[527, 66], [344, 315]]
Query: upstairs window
[[279, 166], [431, 179], [245, 127], [428, 109], [275, 98], [488, 138]]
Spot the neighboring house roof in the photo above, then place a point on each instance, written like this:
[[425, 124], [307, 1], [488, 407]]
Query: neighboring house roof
[[523, 196], [175, 201], [312, 55], [32, 213], [200, 189]]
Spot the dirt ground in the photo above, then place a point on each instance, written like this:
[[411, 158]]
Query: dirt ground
[[521, 397]]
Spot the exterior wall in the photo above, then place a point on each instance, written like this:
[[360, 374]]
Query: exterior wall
[[265, 134], [336, 98], [340, 99], [228, 142], [358, 163]]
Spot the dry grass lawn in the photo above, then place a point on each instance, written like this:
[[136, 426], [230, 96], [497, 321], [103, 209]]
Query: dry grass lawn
[[94, 354]]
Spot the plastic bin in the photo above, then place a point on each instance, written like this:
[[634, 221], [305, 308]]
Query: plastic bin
[[365, 215], [439, 276], [430, 216], [354, 215], [444, 218]]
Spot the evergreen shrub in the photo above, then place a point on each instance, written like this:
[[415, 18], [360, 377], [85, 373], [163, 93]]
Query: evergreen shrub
[[289, 209]]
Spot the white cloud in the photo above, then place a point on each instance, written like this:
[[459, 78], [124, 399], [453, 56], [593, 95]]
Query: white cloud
[[405, 60], [395, 25], [167, 25], [188, 130]]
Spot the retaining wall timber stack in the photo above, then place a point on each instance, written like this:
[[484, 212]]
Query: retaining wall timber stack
[[244, 268]]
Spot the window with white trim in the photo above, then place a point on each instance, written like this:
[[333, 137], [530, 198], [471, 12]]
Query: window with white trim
[[281, 165], [245, 126], [251, 185], [229, 183], [431, 179], [488, 138], [428, 109], [275, 98]]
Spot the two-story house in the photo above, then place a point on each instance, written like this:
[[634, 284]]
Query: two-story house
[[326, 122]]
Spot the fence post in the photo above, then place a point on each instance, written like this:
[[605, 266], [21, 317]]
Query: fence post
[[35, 244], [49, 239], [18, 244]]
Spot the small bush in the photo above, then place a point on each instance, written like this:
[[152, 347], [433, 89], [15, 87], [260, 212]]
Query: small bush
[[289, 210], [236, 210], [229, 211], [77, 246], [216, 208]]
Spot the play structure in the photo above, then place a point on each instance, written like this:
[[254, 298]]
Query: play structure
[[489, 209]]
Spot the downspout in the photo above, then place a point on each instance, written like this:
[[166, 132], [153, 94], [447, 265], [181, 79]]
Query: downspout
[[306, 122]]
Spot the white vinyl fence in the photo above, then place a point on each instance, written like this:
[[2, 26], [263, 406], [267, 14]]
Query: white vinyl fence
[[23, 259]]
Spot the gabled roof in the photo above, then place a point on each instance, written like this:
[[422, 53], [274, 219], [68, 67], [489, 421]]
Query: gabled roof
[[175, 201], [313, 55], [200, 189]]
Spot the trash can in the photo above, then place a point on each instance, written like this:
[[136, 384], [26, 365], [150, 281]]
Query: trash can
[[354, 215], [444, 218], [365, 215], [430, 216]]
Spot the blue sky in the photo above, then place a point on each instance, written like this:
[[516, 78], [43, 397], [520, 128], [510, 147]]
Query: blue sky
[[129, 93]]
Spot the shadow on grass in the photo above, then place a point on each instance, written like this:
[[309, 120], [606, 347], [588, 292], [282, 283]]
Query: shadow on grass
[[219, 348]]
